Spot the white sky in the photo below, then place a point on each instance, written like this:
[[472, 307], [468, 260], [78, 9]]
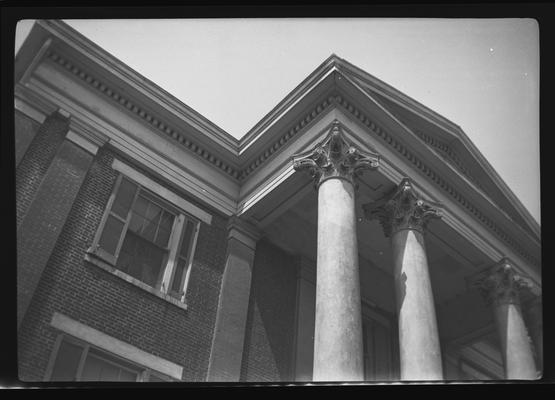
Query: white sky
[[481, 74]]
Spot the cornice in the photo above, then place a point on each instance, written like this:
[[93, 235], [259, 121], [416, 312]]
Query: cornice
[[441, 151], [450, 156], [101, 59], [376, 85], [301, 123], [373, 84], [437, 179], [319, 74], [172, 132], [96, 57], [154, 121], [498, 181]]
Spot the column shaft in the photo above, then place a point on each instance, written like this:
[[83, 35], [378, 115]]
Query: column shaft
[[404, 216], [501, 286], [420, 353], [338, 327], [515, 342], [334, 165], [536, 331]]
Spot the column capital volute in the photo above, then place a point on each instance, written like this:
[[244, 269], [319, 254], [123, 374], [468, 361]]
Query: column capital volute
[[501, 283], [335, 157], [402, 208]]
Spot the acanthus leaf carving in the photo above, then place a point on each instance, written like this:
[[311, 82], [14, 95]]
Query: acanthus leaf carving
[[334, 157], [402, 209], [501, 284]]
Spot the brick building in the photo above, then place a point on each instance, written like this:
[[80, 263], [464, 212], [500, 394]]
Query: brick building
[[352, 234]]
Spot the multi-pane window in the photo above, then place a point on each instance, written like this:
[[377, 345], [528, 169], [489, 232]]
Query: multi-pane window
[[79, 361], [147, 238]]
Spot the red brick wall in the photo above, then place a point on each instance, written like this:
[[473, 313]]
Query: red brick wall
[[37, 159], [97, 298], [40, 228], [269, 337]]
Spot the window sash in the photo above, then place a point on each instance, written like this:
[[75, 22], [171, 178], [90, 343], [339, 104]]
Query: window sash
[[143, 374], [109, 213], [188, 259], [169, 265]]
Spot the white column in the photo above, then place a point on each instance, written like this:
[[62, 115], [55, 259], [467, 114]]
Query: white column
[[501, 286], [338, 327], [535, 324], [404, 217]]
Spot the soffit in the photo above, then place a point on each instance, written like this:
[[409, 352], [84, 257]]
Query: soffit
[[451, 258]]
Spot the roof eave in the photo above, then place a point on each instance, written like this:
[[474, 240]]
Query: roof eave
[[99, 58]]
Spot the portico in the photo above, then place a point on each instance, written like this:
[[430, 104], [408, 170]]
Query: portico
[[351, 225], [391, 241]]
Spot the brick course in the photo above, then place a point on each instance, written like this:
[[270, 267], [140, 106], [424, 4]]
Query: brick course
[[269, 338], [34, 164], [99, 299], [41, 226]]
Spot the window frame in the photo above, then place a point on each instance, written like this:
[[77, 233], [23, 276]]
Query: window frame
[[143, 373], [165, 281]]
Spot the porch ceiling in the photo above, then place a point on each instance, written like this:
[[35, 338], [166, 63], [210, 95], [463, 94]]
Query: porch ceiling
[[451, 258]]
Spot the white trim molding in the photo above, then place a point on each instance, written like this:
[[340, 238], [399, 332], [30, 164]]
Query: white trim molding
[[161, 191], [29, 110], [115, 346], [82, 142]]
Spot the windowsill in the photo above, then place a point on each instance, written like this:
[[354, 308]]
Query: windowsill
[[94, 259]]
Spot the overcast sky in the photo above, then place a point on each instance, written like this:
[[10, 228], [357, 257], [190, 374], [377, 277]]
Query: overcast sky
[[481, 74]]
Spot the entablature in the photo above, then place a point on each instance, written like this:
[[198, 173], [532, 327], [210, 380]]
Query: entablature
[[70, 72]]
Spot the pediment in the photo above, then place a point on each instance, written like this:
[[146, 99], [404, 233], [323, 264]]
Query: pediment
[[415, 133], [446, 139], [456, 154]]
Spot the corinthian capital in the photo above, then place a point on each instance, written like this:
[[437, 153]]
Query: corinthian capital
[[402, 209], [334, 157], [501, 284]]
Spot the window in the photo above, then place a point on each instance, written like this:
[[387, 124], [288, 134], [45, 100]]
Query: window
[[76, 360], [147, 238]]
